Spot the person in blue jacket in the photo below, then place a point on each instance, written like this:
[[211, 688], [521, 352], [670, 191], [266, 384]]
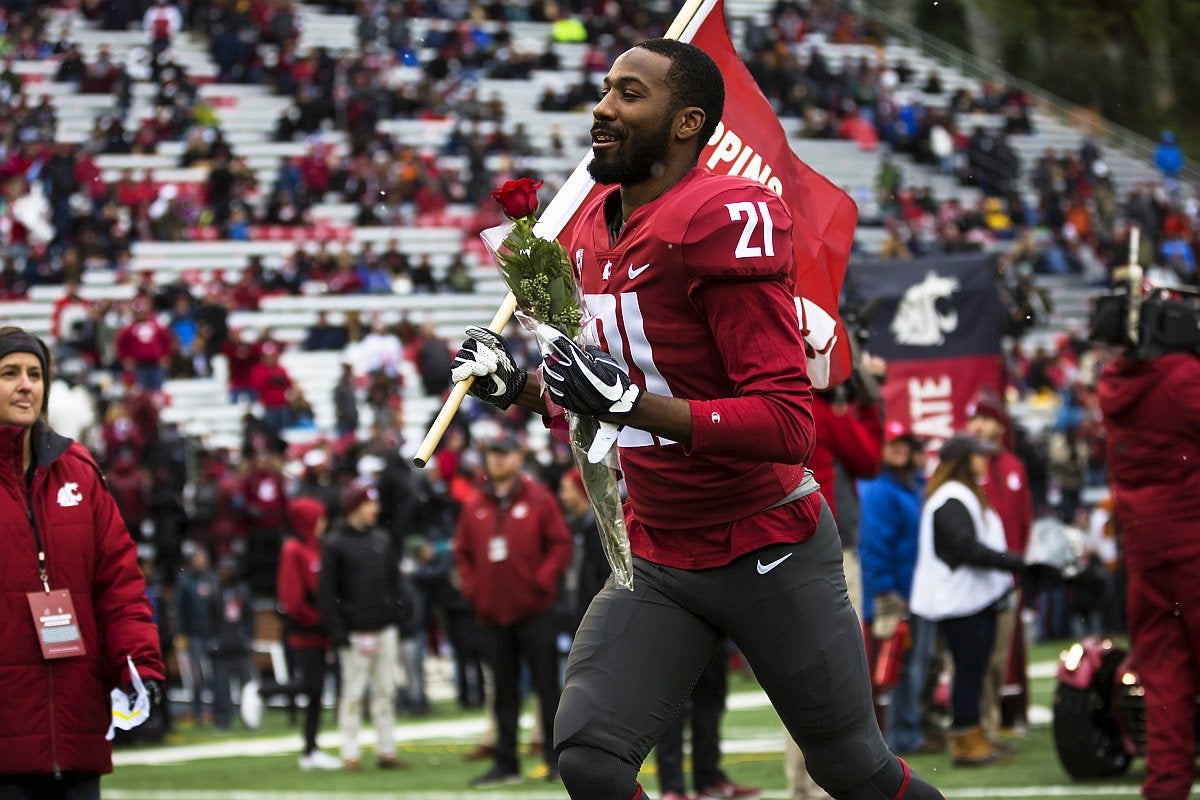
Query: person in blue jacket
[[1168, 158], [889, 524]]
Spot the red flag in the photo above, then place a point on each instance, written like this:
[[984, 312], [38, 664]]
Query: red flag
[[751, 142]]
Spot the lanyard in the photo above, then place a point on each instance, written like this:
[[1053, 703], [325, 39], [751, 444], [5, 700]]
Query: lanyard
[[43, 573]]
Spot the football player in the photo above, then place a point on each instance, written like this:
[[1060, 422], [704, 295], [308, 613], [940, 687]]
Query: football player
[[690, 277]]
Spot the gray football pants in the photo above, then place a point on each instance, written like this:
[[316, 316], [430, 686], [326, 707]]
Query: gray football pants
[[637, 655]]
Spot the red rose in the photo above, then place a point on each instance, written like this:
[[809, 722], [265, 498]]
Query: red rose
[[518, 198]]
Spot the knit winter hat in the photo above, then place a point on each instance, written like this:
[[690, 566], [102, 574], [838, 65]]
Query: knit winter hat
[[17, 340], [988, 404], [355, 495]]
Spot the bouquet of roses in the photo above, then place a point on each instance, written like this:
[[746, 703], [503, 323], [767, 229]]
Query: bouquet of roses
[[539, 275]]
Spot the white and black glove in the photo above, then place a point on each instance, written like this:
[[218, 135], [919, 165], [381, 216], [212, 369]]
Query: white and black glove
[[486, 356], [587, 381]]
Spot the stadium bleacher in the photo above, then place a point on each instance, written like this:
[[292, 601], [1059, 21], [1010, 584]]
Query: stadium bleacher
[[248, 116]]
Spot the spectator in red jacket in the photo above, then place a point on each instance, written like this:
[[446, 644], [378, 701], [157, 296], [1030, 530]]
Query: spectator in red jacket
[[128, 483], [1006, 688], [68, 309], [144, 347], [218, 501], [297, 582], [274, 387], [511, 548], [264, 504], [120, 432], [62, 539], [241, 354]]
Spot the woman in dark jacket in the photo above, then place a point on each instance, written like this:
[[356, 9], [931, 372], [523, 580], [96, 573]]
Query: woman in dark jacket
[[63, 543]]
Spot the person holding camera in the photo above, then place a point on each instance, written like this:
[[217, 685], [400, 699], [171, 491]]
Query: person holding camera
[[1151, 409]]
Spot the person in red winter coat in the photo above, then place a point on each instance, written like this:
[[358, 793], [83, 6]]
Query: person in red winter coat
[[296, 583], [144, 347], [241, 354], [273, 386], [264, 508], [128, 483], [63, 546], [1152, 417], [511, 548]]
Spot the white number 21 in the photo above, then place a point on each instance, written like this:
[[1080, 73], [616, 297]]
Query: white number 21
[[753, 215]]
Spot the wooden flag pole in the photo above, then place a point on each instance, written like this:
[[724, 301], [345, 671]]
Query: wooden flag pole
[[551, 224]]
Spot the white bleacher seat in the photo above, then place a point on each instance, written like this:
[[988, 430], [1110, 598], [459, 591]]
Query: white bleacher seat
[[89, 291], [440, 243], [110, 162], [31, 315], [161, 174]]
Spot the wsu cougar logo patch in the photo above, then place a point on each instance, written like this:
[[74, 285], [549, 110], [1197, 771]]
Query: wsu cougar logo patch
[[918, 321], [69, 495]]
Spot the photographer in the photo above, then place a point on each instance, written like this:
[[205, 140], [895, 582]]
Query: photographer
[[1151, 406]]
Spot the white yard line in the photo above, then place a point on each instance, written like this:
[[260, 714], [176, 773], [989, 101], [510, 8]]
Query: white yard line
[[447, 730], [278, 745]]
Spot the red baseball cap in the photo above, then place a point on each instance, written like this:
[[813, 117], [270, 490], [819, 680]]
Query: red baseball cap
[[895, 429]]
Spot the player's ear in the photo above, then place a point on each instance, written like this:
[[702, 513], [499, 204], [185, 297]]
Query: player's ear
[[688, 122]]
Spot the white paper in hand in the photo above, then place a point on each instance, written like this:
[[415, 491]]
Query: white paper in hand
[[129, 712]]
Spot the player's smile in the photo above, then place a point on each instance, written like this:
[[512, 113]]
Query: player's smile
[[604, 138]]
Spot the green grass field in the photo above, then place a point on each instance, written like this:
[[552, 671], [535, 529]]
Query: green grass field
[[262, 765]]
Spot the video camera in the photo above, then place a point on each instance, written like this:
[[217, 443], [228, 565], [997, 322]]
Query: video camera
[[861, 386], [1147, 322]]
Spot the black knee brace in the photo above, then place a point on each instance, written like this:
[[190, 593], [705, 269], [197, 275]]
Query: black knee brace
[[592, 774]]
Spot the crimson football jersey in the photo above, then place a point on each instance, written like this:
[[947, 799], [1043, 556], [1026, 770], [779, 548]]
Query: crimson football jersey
[[695, 299]]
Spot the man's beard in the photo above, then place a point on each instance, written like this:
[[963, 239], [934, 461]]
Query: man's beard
[[640, 157]]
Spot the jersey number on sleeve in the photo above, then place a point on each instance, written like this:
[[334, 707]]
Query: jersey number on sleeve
[[753, 213]]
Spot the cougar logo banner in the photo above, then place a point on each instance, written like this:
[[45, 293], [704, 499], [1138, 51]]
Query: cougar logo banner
[[938, 322], [918, 320], [751, 142]]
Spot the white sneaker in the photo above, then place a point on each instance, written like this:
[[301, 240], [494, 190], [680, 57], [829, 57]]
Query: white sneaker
[[319, 759]]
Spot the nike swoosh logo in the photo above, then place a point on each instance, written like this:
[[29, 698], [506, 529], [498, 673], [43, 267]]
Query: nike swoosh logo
[[763, 569], [501, 386], [611, 392], [633, 273]]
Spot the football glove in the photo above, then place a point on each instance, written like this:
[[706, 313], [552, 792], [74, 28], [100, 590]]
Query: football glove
[[587, 381], [486, 356]]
